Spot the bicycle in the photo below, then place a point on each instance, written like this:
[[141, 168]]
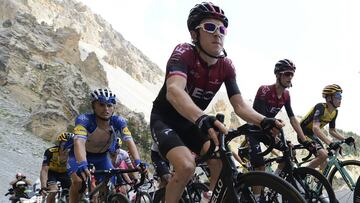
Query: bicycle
[[105, 187], [234, 186], [139, 193], [342, 175], [309, 182], [61, 195]]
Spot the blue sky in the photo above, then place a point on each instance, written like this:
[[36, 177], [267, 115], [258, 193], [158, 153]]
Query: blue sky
[[321, 37]]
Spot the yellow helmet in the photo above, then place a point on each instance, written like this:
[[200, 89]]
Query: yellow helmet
[[65, 136], [331, 89]]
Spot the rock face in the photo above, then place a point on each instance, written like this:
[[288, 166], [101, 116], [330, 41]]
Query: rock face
[[43, 66]]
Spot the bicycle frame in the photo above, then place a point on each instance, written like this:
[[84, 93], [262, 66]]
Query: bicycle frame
[[107, 176], [225, 187], [333, 161]]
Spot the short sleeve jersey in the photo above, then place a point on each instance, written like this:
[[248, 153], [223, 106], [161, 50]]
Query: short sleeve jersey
[[85, 125], [268, 104], [52, 159], [319, 113], [202, 81]]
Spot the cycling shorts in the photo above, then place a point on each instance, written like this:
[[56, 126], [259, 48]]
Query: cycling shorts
[[310, 136], [162, 166], [63, 178], [257, 160], [101, 161], [167, 137]]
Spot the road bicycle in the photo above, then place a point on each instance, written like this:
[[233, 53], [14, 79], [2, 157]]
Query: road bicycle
[[342, 175], [105, 191], [309, 182], [234, 186]]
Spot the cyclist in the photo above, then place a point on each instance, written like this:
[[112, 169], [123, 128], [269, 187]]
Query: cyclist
[[121, 159], [194, 74], [95, 135], [19, 187], [53, 167], [268, 101], [318, 117]]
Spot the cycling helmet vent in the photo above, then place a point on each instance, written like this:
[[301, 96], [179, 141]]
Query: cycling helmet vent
[[103, 95], [331, 89], [203, 11], [284, 65]]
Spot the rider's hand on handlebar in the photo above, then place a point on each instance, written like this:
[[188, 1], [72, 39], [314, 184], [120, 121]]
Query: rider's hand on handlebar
[[209, 125], [349, 140], [143, 166], [83, 171], [272, 125], [334, 145]]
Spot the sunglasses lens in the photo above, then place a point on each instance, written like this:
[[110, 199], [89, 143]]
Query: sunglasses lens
[[222, 30], [288, 74], [338, 95], [210, 27]]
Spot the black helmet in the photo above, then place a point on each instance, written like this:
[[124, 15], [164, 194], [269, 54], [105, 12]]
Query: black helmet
[[284, 65], [205, 10]]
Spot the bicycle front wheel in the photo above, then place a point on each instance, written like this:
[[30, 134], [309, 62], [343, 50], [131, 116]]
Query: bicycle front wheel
[[313, 185], [142, 197], [344, 185], [195, 191], [357, 191], [274, 189], [159, 197]]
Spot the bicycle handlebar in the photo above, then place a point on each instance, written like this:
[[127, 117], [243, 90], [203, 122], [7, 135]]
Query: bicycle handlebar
[[255, 131]]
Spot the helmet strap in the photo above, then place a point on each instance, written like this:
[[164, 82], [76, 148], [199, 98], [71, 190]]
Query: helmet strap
[[332, 102], [197, 43]]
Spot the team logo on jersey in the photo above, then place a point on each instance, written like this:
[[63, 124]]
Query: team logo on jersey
[[80, 130], [126, 131], [264, 90]]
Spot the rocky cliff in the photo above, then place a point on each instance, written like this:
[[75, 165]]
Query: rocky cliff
[[52, 53], [42, 44]]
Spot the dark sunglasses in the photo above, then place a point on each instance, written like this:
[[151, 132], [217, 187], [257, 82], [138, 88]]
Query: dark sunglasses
[[288, 74], [212, 27], [338, 95]]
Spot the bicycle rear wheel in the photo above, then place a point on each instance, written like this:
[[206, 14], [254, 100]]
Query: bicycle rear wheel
[[340, 183], [274, 189], [313, 185]]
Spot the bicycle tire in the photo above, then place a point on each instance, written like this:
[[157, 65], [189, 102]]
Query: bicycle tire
[[337, 182], [159, 197], [356, 198], [275, 189], [311, 177], [143, 197], [118, 198]]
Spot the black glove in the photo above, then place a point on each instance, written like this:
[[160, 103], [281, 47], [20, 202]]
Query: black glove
[[205, 122], [334, 145], [267, 124], [349, 140]]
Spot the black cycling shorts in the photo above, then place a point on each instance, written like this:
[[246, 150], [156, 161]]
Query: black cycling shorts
[[162, 166], [63, 178], [167, 134]]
